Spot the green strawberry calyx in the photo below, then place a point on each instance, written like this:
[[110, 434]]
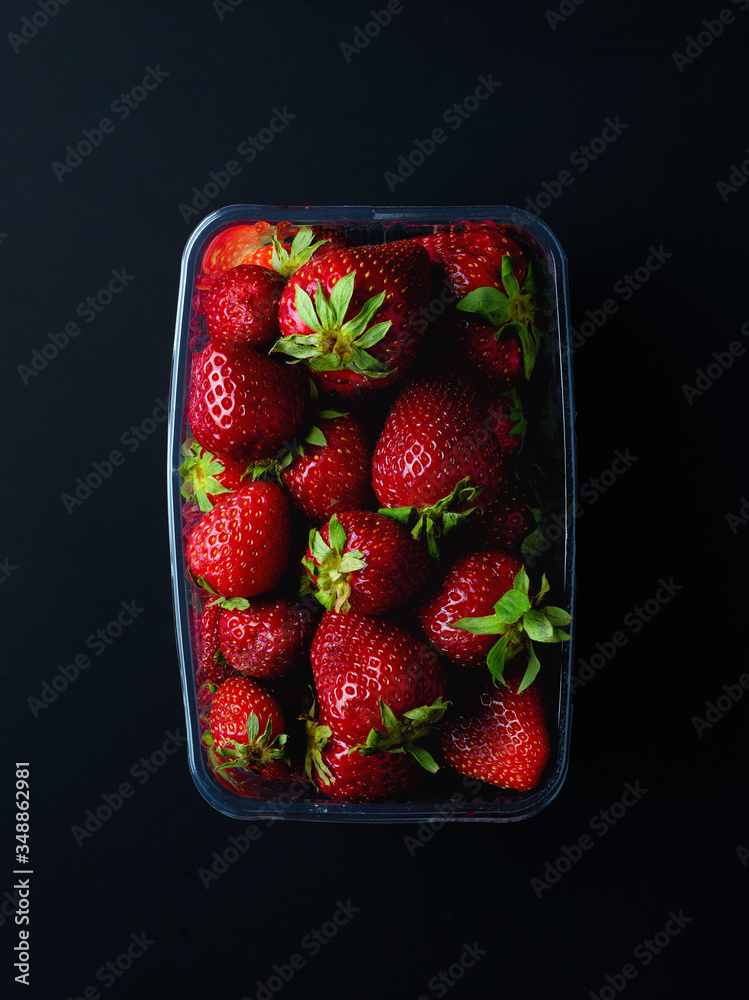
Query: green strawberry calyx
[[198, 471], [329, 569], [519, 622], [516, 414], [435, 520], [318, 738], [286, 262], [403, 735], [254, 755], [334, 342], [511, 311], [290, 451]]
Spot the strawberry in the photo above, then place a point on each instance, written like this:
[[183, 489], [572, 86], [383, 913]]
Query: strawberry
[[246, 737], [500, 736], [207, 477], [505, 412], [348, 300], [241, 547], [210, 657], [436, 456], [284, 247], [266, 637], [341, 774], [488, 273], [519, 624], [241, 307], [507, 521], [242, 404], [369, 673], [334, 473], [361, 561], [470, 588]]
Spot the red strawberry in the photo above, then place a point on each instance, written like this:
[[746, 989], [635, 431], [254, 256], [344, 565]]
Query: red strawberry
[[242, 404], [488, 275], [242, 306], [334, 473], [246, 737], [266, 637], [350, 300], [469, 589], [241, 547], [261, 243], [354, 777], [211, 660], [361, 561], [505, 411], [507, 521], [207, 477], [435, 453], [370, 672], [501, 737]]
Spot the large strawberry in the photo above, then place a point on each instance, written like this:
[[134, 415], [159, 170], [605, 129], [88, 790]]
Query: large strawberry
[[207, 477], [437, 456], [246, 739], [500, 736], [350, 314], [266, 637], [242, 404], [369, 674], [242, 306], [241, 547], [469, 589], [341, 774], [361, 561]]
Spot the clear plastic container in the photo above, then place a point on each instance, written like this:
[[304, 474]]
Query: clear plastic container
[[550, 445]]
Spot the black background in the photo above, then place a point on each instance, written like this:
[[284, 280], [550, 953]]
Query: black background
[[66, 574]]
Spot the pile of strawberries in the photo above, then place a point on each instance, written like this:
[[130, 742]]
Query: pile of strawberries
[[353, 520]]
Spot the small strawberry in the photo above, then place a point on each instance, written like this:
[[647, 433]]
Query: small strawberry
[[361, 561], [519, 624], [207, 477], [507, 521], [505, 412], [242, 404], [283, 247], [500, 737], [471, 587], [241, 307], [369, 673], [437, 456], [246, 738], [349, 314], [210, 657], [341, 774], [241, 547], [265, 637]]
